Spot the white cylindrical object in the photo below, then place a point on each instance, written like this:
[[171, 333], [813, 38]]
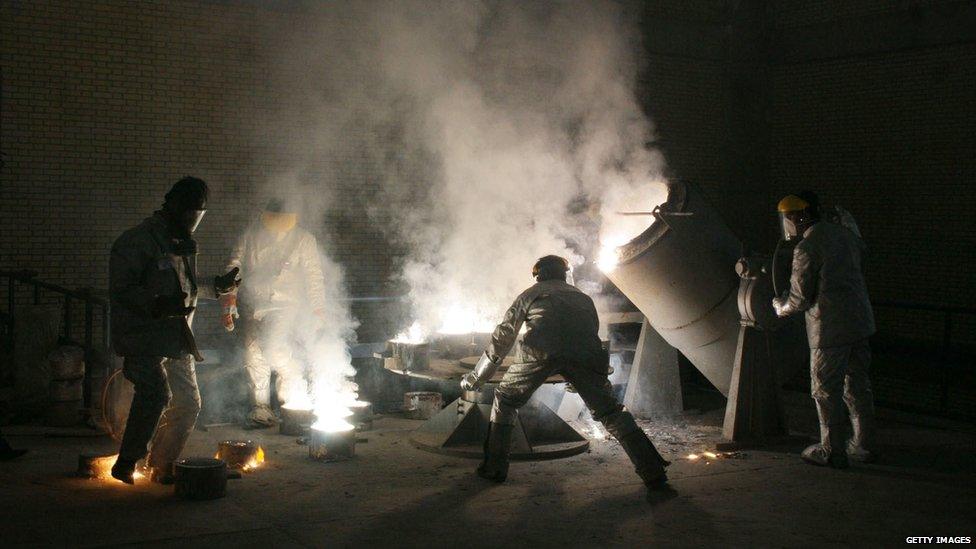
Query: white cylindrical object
[[680, 273]]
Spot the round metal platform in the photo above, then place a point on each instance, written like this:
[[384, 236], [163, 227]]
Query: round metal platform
[[460, 428]]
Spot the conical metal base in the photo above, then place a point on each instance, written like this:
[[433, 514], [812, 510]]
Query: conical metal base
[[460, 430]]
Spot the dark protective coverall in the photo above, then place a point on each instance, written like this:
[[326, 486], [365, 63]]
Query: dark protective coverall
[[561, 337], [159, 353], [828, 284]]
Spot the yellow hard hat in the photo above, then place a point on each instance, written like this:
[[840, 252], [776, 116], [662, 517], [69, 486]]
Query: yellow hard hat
[[792, 203]]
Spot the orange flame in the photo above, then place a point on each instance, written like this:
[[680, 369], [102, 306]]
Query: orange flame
[[102, 468], [256, 461]]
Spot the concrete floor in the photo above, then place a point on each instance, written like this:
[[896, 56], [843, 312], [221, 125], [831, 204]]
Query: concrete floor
[[392, 494]]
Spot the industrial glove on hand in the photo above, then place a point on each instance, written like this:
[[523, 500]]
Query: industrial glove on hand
[[473, 380], [228, 310], [227, 283], [781, 306], [171, 306]]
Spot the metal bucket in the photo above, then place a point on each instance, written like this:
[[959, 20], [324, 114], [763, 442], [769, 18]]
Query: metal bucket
[[411, 356], [295, 422], [67, 363], [362, 416], [237, 453], [422, 404], [201, 478], [67, 390], [331, 446], [680, 274]]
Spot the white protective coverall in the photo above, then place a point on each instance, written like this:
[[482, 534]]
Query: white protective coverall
[[283, 287], [827, 284]]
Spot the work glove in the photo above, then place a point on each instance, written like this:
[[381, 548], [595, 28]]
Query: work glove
[[781, 306], [228, 310], [486, 367], [227, 283], [171, 306]]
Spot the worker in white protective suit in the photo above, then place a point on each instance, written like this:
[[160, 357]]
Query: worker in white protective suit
[[827, 284], [283, 292]]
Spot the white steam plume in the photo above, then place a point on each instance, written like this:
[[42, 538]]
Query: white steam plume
[[499, 131]]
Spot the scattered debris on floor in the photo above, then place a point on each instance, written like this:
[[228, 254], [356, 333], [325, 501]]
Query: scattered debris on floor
[[713, 456]]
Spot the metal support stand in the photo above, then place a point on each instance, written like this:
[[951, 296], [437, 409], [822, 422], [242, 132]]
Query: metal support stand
[[754, 411], [654, 388], [461, 428]]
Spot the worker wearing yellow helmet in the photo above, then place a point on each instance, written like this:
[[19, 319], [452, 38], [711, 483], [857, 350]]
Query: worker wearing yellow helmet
[[827, 284]]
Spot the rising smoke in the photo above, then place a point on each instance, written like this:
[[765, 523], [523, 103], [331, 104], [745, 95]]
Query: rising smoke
[[498, 132]]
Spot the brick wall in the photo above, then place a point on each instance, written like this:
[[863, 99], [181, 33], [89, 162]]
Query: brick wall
[[891, 136], [107, 103], [801, 13]]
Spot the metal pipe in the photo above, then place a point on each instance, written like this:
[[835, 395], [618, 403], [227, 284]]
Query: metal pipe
[[680, 272]]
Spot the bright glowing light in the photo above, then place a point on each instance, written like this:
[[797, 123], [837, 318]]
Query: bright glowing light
[[596, 431], [459, 319], [332, 425], [693, 457], [255, 461], [709, 455], [624, 213], [414, 334], [298, 400], [609, 254], [102, 467]]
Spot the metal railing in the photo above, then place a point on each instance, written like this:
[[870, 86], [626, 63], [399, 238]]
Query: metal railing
[[85, 298], [946, 354]]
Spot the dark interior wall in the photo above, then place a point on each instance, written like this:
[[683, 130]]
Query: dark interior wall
[[107, 102], [883, 122]]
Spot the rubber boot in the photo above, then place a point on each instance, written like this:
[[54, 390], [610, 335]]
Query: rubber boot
[[261, 417], [830, 455], [498, 443], [859, 447], [123, 470], [648, 463]]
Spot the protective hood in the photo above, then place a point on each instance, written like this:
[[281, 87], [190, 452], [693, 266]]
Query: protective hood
[[791, 210], [279, 222], [192, 218], [788, 227]]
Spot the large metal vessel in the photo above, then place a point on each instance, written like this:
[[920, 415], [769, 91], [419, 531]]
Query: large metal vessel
[[680, 272]]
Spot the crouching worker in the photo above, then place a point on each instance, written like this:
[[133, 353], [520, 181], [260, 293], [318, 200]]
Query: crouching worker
[[561, 337], [153, 289]]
